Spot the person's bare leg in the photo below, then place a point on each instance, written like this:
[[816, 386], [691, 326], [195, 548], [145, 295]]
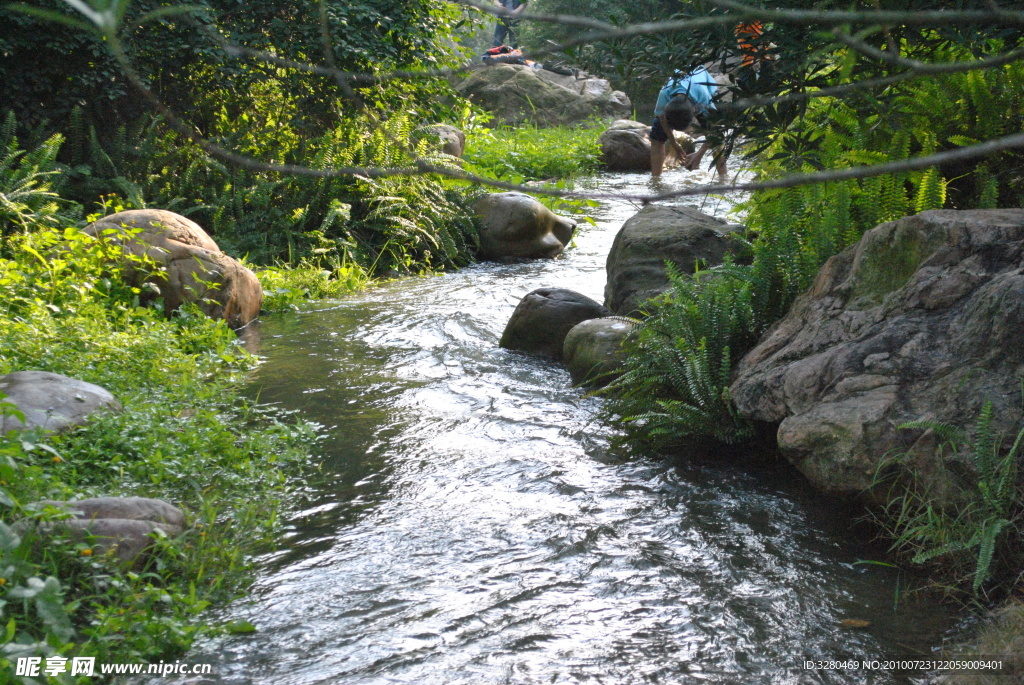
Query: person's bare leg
[[657, 157], [720, 158]]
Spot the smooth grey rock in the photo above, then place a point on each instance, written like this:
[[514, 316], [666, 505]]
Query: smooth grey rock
[[626, 146], [922, 319], [593, 350], [544, 317], [516, 225], [517, 94], [193, 268], [656, 234], [626, 149], [51, 401]]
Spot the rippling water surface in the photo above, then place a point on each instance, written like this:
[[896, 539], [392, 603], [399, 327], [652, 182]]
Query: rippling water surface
[[469, 525]]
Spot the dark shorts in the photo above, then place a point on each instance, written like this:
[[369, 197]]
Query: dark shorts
[[659, 135]]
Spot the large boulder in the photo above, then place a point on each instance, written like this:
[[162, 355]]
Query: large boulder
[[193, 268], [593, 349], [51, 401], [516, 225], [518, 94], [626, 146], [656, 234], [122, 526], [922, 319], [544, 317]]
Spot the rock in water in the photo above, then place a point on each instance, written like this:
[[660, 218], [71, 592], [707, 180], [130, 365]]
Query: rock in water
[[656, 234], [544, 317], [195, 268], [922, 319], [518, 94], [626, 146], [51, 401], [593, 350], [516, 225], [626, 149]]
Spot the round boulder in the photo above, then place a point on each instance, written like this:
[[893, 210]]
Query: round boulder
[[626, 149], [655, 235], [544, 317], [593, 350], [516, 225], [50, 401], [516, 94], [626, 146], [123, 526], [192, 267]]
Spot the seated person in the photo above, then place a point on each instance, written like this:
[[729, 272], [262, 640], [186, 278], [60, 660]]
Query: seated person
[[683, 99]]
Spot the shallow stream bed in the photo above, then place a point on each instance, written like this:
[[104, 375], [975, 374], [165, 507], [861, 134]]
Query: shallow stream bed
[[470, 526]]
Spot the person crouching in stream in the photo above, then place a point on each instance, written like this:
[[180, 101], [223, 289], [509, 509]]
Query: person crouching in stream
[[684, 98]]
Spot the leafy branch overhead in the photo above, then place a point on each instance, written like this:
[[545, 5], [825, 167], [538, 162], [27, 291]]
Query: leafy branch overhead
[[331, 55]]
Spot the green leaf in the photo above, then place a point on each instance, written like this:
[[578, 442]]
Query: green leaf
[[50, 15], [239, 627]]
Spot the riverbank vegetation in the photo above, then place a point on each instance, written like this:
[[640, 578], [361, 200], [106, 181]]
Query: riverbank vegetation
[[184, 435]]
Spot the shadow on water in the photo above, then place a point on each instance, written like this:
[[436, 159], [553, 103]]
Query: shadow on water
[[470, 525]]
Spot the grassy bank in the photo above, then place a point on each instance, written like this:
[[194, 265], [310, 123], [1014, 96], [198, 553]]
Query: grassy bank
[[185, 435]]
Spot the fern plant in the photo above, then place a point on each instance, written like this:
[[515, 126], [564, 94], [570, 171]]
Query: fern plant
[[27, 180], [679, 364], [970, 539]]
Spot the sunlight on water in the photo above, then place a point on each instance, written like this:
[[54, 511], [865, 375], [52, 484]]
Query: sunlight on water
[[469, 524]]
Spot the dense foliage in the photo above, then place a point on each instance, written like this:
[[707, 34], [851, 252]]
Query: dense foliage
[[980, 538], [185, 56]]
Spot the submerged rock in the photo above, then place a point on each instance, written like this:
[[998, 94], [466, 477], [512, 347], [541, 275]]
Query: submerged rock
[[193, 267], [517, 94], [593, 350], [544, 317], [51, 401], [516, 225], [656, 234], [123, 526], [922, 319]]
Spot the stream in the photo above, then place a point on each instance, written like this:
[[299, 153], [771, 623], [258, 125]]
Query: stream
[[470, 525]]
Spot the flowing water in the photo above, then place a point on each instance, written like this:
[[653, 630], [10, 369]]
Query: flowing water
[[469, 524]]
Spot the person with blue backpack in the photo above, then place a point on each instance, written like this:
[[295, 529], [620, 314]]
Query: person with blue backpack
[[684, 98]]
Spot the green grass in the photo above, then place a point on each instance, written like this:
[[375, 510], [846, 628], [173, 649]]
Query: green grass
[[185, 435], [528, 153]]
